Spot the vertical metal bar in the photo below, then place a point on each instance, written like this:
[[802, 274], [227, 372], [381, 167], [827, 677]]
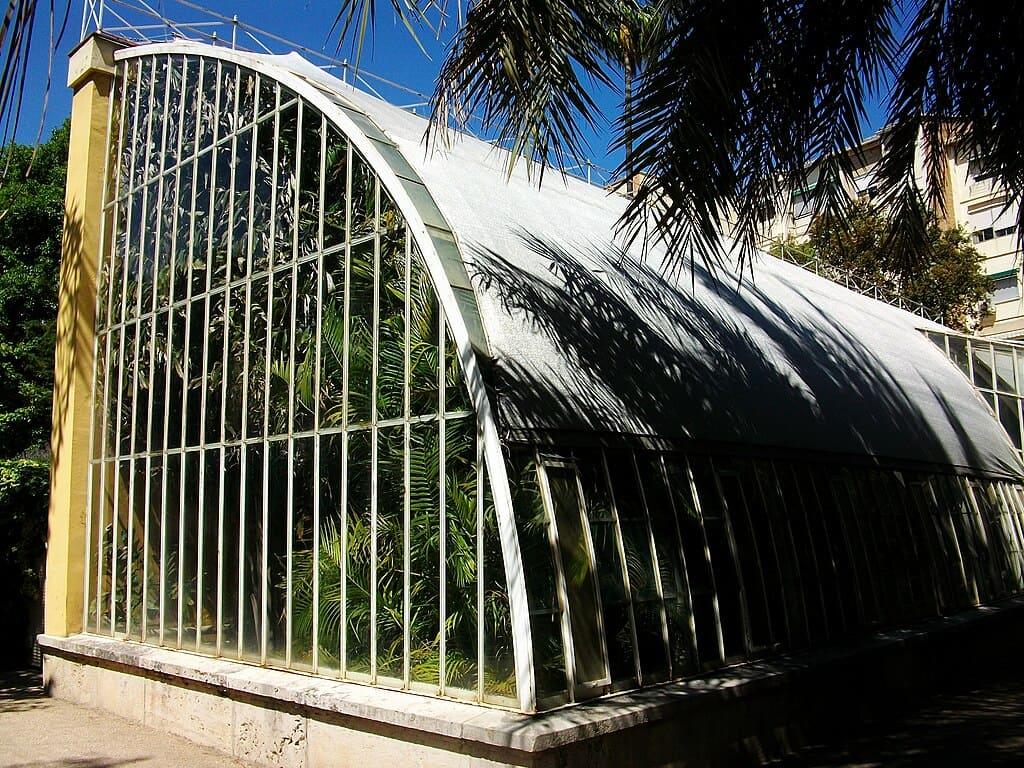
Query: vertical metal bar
[[121, 364], [682, 560], [265, 578], [137, 352], [406, 469], [569, 656], [171, 293], [317, 373], [243, 478], [622, 564], [941, 510], [344, 411], [215, 153], [655, 560], [442, 449], [232, 163], [290, 515], [108, 394], [103, 259], [734, 554], [374, 434], [707, 558], [187, 339], [480, 565]]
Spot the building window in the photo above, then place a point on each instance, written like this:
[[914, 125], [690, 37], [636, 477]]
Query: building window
[[1005, 287], [803, 203], [1002, 232], [983, 235]]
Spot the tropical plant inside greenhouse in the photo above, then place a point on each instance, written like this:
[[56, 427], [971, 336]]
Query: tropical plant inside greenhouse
[[278, 351]]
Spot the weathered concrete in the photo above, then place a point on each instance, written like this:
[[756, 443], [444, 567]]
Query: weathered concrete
[[752, 712]]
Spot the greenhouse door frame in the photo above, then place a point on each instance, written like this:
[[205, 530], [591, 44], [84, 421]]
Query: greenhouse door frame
[[594, 687]]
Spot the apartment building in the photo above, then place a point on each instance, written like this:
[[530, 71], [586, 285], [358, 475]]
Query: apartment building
[[981, 206]]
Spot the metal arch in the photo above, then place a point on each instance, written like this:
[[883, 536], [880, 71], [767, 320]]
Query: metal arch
[[518, 608]]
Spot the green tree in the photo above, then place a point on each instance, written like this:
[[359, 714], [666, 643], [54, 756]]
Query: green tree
[[31, 215], [739, 97], [947, 278]]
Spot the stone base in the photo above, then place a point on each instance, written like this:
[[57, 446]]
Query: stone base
[[743, 715]]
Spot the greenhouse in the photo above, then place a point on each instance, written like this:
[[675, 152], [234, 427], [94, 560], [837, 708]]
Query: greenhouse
[[380, 413]]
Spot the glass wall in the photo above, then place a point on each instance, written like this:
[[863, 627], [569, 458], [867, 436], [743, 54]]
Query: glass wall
[[286, 464], [681, 563], [996, 369]]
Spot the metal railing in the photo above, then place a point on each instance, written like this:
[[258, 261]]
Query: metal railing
[[836, 275]]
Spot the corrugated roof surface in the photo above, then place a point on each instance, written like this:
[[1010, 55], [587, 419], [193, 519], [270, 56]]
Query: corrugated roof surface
[[588, 337]]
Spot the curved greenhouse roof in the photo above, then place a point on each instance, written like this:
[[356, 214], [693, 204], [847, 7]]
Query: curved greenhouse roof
[[587, 336], [391, 415]]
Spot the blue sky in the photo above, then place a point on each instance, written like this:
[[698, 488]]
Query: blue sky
[[392, 54]]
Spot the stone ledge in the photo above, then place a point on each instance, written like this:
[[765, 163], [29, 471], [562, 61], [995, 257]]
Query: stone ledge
[[499, 728]]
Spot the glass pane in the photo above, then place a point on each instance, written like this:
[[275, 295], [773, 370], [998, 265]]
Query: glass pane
[[332, 552], [332, 340], [747, 559], [670, 567], [424, 555], [423, 340], [610, 572], [981, 354], [253, 528], [357, 587], [240, 204], [234, 375], [200, 219], [1004, 369], [303, 564], [1009, 417], [461, 550], [278, 542], [499, 674], [309, 180], [221, 211], [360, 333], [280, 371], [256, 349], [640, 565], [230, 537], [263, 185], [391, 332], [698, 569], [391, 552], [189, 600], [214, 383], [539, 574], [723, 564], [335, 177], [209, 547], [287, 167], [579, 578], [363, 197], [172, 559], [306, 335]]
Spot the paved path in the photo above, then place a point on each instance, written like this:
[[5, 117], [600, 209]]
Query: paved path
[[979, 724], [976, 724], [40, 732]]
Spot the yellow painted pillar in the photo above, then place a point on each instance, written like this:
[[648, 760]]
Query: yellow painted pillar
[[90, 75]]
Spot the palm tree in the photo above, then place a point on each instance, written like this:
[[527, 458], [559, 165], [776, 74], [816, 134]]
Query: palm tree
[[738, 97]]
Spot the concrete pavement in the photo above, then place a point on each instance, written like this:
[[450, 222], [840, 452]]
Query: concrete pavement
[[40, 732]]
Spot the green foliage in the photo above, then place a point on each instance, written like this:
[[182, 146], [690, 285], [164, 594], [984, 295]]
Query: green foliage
[[31, 214], [946, 278], [736, 99]]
